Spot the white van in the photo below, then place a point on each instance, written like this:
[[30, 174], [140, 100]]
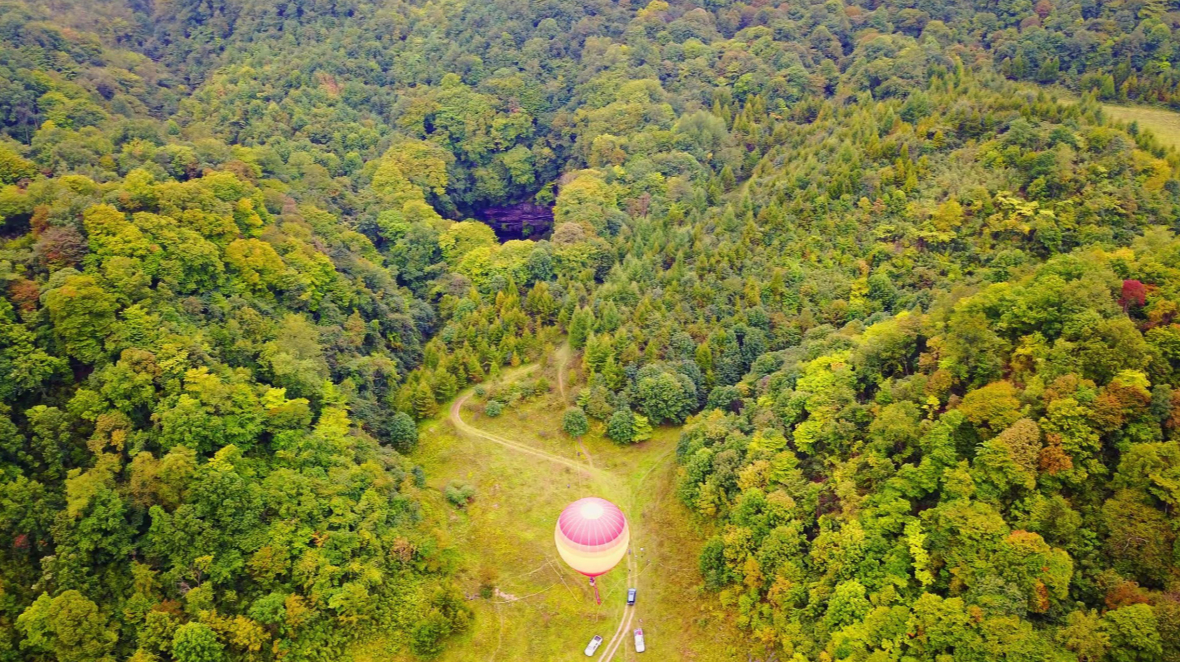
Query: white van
[[639, 646]]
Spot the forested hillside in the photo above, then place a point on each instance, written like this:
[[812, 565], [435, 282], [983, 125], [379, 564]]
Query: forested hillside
[[916, 316]]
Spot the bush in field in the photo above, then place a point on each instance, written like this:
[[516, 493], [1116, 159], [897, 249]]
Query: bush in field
[[459, 494], [627, 427], [575, 422]]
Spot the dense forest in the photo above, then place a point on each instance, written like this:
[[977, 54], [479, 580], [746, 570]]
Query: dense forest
[[917, 317]]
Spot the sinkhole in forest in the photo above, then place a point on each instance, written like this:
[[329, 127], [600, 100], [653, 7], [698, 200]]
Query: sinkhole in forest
[[522, 220]]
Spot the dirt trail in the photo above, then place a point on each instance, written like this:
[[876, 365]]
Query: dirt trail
[[563, 359], [586, 452], [467, 429], [619, 640]]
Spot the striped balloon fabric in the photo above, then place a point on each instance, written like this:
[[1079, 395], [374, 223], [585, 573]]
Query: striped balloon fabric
[[592, 535]]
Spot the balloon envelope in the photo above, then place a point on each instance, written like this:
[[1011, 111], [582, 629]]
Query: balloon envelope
[[592, 535]]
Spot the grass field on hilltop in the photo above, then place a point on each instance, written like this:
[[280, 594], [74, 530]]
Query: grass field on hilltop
[[1164, 124], [542, 609]]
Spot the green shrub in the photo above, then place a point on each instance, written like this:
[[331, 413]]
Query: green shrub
[[459, 494], [575, 422]]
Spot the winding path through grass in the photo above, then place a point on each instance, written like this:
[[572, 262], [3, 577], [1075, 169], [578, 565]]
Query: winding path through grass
[[628, 610], [465, 428], [456, 417]]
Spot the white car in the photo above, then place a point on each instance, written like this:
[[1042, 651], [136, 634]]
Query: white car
[[593, 645], [639, 647]]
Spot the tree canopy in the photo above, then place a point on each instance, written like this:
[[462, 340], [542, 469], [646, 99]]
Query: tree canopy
[[914, 307]]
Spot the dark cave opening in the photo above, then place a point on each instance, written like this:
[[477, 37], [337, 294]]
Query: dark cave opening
[[524, 220]]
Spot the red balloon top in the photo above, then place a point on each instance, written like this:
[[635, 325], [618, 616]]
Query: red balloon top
[[591, 522]]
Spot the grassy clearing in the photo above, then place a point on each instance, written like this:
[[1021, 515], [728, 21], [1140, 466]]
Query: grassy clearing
[[542, 610], [1164, 124]]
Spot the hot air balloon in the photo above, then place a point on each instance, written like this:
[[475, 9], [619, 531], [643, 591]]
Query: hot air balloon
[[592, 537]]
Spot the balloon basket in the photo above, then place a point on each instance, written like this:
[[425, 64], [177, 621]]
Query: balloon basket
[[597, 599]]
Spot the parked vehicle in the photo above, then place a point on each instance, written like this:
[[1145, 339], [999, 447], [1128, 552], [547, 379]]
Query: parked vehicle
[[639, 645], [630, 596], [593, 645]]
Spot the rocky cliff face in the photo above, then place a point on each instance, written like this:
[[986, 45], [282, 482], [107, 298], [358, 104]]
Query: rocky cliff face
[[518, 221]]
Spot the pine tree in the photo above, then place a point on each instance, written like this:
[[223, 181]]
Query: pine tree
[[425, 406], [580, 326]]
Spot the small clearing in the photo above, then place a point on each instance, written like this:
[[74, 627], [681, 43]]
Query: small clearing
[[525, 471]]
